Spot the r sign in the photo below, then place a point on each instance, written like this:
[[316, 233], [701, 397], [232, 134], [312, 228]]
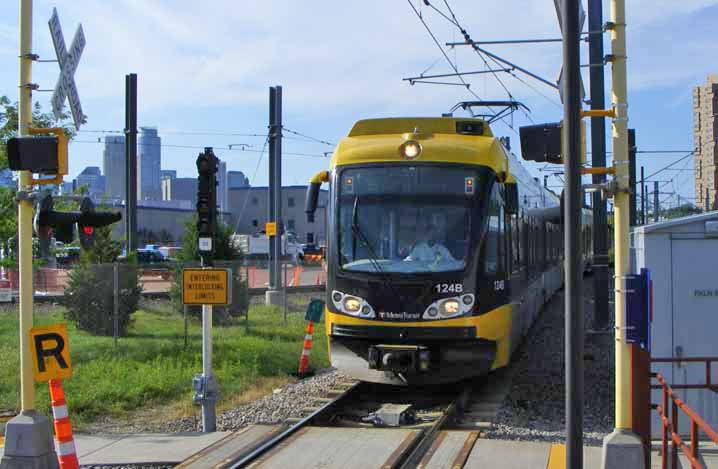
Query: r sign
[[50, 351]]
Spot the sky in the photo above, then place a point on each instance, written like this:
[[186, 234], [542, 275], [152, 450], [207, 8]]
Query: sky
[[204, 69]]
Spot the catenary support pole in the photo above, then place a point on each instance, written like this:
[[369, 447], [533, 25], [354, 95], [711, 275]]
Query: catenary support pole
[[131, 161], [598, 160], [272, 161], [643, 196], [573, 203], [622, 448], [656, 202], [278, 187], [28, 435]]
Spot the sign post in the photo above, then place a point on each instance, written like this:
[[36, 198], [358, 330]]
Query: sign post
[[206, 286], [28, 435]]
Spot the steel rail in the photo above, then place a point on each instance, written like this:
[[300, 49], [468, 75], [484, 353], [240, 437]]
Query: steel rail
[[275, 440]]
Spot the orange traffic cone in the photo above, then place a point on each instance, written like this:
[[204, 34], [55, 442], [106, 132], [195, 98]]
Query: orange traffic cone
[[65, 445], [297, 276], [304, 359]]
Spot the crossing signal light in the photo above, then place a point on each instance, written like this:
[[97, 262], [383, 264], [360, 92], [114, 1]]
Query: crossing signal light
[[45, 153], [207, 165], [89, 219], [48, 222]]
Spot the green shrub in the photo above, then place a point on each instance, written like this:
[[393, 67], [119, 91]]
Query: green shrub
[[89, 296]]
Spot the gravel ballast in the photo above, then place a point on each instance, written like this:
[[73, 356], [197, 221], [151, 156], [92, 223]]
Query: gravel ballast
[[535, 406]]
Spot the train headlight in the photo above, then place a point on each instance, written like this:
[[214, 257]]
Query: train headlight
[[411, 149], [449, 307], [352, 305]]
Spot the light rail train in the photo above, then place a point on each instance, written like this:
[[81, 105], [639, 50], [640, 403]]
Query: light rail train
[[441, 250]]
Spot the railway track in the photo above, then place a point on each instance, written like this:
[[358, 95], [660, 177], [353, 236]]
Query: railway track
[[361, 424]]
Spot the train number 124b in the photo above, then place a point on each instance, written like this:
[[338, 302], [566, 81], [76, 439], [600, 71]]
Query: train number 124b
[[449, 288]]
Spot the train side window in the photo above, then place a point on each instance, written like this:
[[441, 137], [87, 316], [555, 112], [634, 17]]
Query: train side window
[[493, 234], [515, 244]]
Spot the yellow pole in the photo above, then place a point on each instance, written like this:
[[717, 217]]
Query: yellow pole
[[24, 219], [621, 205]]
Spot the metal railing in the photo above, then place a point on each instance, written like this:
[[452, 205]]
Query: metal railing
[[670, 426]]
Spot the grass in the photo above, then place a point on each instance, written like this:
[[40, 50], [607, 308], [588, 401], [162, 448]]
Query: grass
[[151, 368]]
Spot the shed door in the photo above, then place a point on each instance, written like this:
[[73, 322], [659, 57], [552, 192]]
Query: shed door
[[695, 320]]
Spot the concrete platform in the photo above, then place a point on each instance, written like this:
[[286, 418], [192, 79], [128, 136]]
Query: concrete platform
[[505, 454], [346, 448], [142, 448]]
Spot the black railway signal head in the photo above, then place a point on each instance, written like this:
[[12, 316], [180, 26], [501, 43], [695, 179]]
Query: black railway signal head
[[90, 219], [207, 165], [49, 222]]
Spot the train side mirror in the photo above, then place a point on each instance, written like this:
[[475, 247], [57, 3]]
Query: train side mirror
[[310, 203], [512, 198]]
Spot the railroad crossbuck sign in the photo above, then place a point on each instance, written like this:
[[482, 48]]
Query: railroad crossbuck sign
[[206, 287], [68, 61], [50, 351]]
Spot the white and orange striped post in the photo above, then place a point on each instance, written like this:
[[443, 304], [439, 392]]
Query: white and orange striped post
[[304, 359], [65, 444]]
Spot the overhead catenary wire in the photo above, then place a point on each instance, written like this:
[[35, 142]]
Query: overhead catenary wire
[[451, 64], [254, 177], [202, 147]]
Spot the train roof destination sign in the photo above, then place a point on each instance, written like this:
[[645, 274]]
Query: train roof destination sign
[[50, 350], [68, 61], [206, 287]]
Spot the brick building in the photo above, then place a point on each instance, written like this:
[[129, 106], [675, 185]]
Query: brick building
[[705, 142]]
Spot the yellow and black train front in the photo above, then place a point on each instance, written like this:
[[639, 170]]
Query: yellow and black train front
[[417, 284]]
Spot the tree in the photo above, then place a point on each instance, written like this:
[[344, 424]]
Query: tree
[[89, 296]]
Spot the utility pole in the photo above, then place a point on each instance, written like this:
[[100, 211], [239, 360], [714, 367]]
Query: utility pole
[[632, 175], [598, 160], [573, 202], [622, 448], [275, 295], [28, 436], [643, 196], [656, 208], [131, 161]]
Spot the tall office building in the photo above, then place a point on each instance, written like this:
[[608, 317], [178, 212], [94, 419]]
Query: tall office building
[[705, 142], [236, 180], [149, 164], [92, 178], [168, 174], [113, 166]]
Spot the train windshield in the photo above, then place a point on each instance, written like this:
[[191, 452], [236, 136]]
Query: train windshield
[[406, 219]]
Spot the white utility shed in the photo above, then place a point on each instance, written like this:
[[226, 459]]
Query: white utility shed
[[682, 255]]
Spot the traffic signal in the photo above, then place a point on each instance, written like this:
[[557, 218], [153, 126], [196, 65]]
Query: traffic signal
[[89, 219], [48, 222], [207, 165], [44, 154], [543, 142]]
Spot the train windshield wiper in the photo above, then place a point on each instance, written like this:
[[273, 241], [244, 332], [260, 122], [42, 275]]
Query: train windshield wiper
[[373, 258]]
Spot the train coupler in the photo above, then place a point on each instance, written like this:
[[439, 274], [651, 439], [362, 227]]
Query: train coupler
[[399, 358]]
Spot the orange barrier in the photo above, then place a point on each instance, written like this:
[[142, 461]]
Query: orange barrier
[[297, 276], [65, 444], [304, 359]]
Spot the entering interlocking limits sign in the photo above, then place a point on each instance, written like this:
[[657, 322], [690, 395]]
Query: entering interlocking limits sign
[[50, 350], [206, 287]]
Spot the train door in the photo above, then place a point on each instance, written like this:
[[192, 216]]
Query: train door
[[494, 291]]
